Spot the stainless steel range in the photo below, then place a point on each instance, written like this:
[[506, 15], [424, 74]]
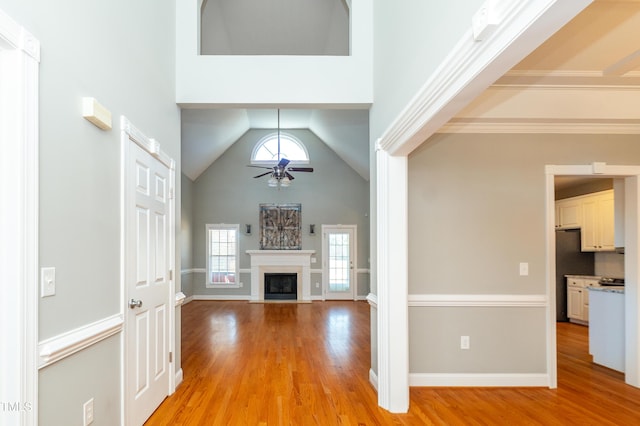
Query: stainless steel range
[[611, 281]]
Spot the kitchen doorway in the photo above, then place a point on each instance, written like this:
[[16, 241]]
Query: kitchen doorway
[[630, 176]]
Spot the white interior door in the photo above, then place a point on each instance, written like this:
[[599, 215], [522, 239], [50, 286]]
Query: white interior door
[[339, 255], [147, 282]]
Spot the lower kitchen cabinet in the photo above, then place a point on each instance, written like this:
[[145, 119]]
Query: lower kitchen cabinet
[[578, 299]]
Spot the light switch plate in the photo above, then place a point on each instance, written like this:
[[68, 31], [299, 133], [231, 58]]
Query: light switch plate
[[524, 268], [464, 342], [87, 411], [47, 282]]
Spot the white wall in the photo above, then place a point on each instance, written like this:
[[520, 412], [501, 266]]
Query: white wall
[[411, 40], [272, 80], [114, 52]]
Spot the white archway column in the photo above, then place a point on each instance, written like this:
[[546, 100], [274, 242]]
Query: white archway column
[[392, 272]]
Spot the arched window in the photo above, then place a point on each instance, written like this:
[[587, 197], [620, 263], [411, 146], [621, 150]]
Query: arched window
[[266, 150]]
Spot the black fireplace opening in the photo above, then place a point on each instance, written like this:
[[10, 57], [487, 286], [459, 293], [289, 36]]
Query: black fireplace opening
[[280, 286]]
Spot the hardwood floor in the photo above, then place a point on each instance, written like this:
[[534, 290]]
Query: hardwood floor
[[308, 364]]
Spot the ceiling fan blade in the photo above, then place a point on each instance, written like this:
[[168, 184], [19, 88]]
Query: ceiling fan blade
[[264, 174], [301, 169], [259, 167], [283, 162], [287, 174]]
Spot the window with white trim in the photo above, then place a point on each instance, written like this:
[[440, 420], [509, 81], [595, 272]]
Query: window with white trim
[[291, 148], [222, 255]]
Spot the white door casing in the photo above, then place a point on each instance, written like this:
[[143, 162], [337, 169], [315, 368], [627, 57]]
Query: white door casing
[[148, 283], [19, 70], [339, 266], [631, 174]]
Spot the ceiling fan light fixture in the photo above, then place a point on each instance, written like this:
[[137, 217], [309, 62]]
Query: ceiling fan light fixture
[[279, 176]]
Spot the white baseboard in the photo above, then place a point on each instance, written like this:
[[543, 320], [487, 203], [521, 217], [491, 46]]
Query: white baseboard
[[373, 379], [478, 300], [179, 377], [180, 296], [220, 297], [479, 380], [188, 299]]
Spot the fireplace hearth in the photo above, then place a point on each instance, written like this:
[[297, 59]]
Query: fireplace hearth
[[280, 286]]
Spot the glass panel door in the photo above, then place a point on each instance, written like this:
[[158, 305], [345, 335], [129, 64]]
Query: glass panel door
[[338, 255]]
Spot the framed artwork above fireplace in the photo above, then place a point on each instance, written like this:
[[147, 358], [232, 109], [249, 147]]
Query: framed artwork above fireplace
[[280, 226]]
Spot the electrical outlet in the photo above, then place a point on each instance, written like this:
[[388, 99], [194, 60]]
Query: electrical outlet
[[524, 268], [88, 412], [464, 342]]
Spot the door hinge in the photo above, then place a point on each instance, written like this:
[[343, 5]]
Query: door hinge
[[171, 193], [170, 356], [170, 274]]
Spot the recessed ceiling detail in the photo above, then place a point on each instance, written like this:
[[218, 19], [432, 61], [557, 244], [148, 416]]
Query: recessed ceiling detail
[[583, 79]]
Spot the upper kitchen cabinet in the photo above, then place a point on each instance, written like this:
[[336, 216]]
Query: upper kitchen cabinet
[[598, 222], [569, 213]]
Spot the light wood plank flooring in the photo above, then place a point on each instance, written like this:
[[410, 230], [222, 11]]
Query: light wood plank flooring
[[308, 364]]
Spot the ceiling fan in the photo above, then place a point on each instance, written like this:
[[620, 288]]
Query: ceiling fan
[[279, 174]]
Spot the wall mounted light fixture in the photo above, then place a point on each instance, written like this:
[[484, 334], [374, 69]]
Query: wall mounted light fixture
[[312, 229], [247, 229]]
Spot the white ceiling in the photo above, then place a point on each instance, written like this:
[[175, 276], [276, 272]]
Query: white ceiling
[[599, 48]]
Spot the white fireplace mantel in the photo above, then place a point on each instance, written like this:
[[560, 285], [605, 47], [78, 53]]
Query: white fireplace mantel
[[281, 261]]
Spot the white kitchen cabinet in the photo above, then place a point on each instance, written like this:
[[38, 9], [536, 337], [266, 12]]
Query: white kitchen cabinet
[[574, 303], [598, 222], [578, 298], [569, 213]]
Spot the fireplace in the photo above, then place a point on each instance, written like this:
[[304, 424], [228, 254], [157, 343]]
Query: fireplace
[[278, 286], [296, 262]]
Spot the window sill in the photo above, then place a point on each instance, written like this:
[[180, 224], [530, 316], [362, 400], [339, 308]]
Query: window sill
[[209, 285]]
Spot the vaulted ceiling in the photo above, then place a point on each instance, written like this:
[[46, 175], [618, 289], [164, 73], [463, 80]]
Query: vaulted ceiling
[[597, 54]]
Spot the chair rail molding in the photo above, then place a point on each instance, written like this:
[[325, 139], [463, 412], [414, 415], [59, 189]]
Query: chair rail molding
[[61, 346]]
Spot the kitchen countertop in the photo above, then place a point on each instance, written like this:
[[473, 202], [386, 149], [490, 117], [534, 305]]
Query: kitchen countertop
[[608, 289], [597, 277]]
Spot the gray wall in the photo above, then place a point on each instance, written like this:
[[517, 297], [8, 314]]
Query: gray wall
[[186, 233], [477, 209], [227, 193], [111, 51]]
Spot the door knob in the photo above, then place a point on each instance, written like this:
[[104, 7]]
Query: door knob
[[133, 303]]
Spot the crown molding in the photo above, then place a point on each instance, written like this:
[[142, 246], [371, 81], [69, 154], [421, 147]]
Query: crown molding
[[541, 127], [568, 78]]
